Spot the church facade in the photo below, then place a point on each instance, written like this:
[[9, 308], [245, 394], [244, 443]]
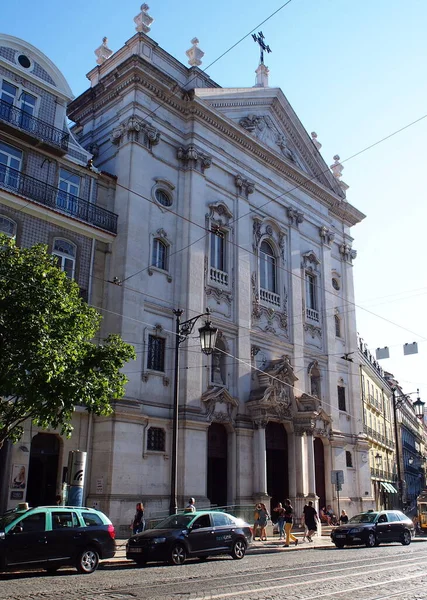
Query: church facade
[[225, 202]]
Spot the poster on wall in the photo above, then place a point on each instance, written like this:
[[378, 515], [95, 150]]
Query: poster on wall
[[18, 478]]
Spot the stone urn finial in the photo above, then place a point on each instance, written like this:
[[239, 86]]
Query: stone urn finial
[[194, 54], [315, 140], [337, 167], [143, 20], [103, 52]]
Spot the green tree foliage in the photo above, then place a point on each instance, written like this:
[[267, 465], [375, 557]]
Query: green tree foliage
[[48, 363]]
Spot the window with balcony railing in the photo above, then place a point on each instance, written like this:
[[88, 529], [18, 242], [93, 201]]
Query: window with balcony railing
[[311, 302], [218, 259]]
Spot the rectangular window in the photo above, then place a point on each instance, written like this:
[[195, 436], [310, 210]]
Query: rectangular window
[[28, 103], [10, 165], [341, 397], [218, 250], [156, 439], [9, 92], [69, 188], [156, 353], [312, 310]]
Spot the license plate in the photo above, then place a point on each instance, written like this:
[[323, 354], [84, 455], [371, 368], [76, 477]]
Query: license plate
[[340, 535], [132, 550]]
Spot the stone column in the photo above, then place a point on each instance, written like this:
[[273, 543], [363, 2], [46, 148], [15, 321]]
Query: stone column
[[232, 468], [310, 465], [260, 463], [299, 474]]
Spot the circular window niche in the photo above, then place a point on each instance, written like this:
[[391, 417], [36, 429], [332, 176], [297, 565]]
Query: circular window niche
[[24, 61], [163, 197], [335, 283]]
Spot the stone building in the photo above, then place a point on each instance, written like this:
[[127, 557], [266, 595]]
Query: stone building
[[225, 202], [378, 424], [49, 193]]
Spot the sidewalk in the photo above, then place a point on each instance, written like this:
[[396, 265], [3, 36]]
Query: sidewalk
[[272, 545]]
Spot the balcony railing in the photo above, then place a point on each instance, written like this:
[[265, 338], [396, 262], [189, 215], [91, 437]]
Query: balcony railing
[[220, 277], [312, 314], [67, 204], [35, 127], [270, 297]]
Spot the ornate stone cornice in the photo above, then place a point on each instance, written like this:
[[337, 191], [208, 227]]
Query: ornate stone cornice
[[295, 216], [347, 253], [149, 77], [136, 130], [326, 235], [192, 157], [244, 186]]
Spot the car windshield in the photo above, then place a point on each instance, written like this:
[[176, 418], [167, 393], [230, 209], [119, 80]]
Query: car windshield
[[175, 522], [364, 518], [8, 518]]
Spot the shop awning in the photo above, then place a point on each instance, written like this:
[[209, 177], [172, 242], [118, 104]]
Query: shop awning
[[388, 487]]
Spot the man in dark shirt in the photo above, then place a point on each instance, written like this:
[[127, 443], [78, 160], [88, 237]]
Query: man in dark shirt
[[310, 519]]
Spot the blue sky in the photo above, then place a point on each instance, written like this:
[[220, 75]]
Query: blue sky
[[353, 71]]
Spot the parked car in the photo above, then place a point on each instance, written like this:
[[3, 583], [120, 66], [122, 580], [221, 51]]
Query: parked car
[[373, 528], [49, 537], [198, 534]]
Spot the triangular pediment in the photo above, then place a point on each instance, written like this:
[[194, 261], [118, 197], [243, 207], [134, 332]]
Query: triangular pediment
[[266, 115]]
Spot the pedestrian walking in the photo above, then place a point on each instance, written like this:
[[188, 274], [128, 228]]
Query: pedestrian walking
[[289, 519], [191, 506], [138, 523], [311, 520], [263, 517], [304, 523], [256, 521], [280, 519]]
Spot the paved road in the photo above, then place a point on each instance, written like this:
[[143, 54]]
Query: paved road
[[382, 573]]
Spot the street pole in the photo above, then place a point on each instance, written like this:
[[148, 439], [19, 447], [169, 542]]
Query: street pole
[[396, 438], [338, 497], [173, 506]]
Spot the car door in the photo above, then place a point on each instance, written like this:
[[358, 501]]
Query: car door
[[26, 541], [224, 531], [383, 529], [396, 527], [63, 535], [201, 535]]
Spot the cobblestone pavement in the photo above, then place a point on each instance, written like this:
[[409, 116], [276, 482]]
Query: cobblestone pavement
[[386, 572]]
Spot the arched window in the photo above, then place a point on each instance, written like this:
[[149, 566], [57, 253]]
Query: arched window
[[348, 459], [159, 256], [218, 369], [7, 226], [337, 326], [65, 253], [267, 268]]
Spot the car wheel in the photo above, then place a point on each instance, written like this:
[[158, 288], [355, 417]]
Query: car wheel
[[339, 545], [178, 555], [202, 558], [239, 550], [371, 540], [87, 561], [406, 538]]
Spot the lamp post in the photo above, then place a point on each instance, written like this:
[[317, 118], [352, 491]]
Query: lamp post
[[207, 335], [419, 411], [378, 461]]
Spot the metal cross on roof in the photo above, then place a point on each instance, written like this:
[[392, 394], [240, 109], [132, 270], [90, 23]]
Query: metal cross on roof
[[259, 39]]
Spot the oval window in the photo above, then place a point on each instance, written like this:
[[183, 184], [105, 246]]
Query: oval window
[[163, 197], [24, 61], [335, 283]]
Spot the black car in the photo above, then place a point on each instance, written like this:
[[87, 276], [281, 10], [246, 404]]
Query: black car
[[196, 534], [49, 537], [373, 528]]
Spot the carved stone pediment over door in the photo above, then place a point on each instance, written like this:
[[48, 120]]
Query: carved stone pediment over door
[[274, 398], [220, 405]]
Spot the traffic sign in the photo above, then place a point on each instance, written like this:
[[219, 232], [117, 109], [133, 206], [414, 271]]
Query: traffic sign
[[337, 477]]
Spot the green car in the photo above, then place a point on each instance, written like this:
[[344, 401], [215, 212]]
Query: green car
[[49, 537]]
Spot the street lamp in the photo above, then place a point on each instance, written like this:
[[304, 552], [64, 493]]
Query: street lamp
[[378, 459], [207, 335], [419, 409]]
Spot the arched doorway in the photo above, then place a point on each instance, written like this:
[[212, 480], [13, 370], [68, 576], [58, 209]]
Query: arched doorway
[[217, 465], [43, 469], [276, 441], [319, 465]]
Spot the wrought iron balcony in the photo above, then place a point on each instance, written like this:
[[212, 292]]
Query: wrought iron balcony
[[36, 129], [48, 195]]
